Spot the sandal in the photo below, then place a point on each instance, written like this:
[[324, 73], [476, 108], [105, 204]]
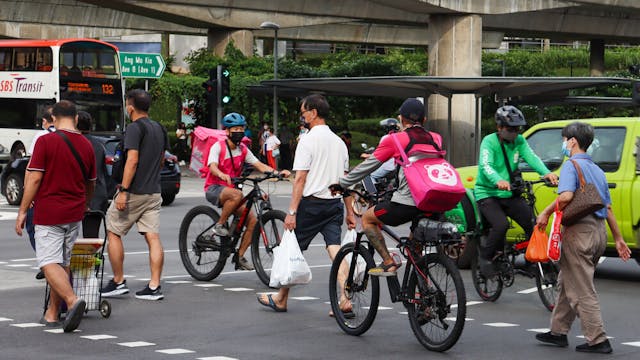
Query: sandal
[[347, 314], [384, 270]]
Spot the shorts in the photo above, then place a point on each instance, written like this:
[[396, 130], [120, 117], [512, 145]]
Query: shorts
[[319, 216], [213, 194], [394, 214], [142, 210], [55, 242]]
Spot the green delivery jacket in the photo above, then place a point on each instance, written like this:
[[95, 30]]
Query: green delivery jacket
[[491, 166]]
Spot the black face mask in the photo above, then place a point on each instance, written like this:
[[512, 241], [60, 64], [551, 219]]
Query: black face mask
[[304, 123], [236, 137]]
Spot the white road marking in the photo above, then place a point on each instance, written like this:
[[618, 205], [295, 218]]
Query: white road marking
[[5, 319], [217, 358], [133, 344], [238, 289], [541, 330], [99, 337], [175, 351], [528, 291], [5, 215], [27, 259], [3, 262], [379, 308], [582, 337], [27, 325], [454, 319], [469, 303], [59, 331], [18, 265], [178, 282], [207, 285], [500, 324], [634, 343], [305, 298]]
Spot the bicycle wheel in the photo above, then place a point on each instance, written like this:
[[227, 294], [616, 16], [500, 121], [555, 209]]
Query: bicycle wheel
[[490, 288], [201, 253], [361, 290], [547, 283], [437, 306], [266, 236]]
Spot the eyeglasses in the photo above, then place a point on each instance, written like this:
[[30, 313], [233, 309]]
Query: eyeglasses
[[304, 111]]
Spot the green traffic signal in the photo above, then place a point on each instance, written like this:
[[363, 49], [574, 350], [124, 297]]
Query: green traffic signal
[[225, 85]]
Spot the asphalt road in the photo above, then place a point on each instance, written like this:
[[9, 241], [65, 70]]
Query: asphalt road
[[221, 319]]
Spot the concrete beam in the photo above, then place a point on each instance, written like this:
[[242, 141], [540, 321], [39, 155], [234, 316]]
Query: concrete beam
[[489, 6], [78, 14], [9, 29], [573, 24]]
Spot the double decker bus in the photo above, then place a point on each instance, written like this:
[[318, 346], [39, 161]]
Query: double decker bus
[[37, 73]]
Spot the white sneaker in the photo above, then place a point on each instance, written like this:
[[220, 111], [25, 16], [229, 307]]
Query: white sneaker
[[220, 230]]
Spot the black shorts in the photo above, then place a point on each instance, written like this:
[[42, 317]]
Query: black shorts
[[319, 216], [394, 214]]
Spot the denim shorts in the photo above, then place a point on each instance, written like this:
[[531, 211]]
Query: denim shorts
[[319, 216]]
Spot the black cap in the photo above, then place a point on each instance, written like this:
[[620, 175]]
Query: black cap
[[412, 109]]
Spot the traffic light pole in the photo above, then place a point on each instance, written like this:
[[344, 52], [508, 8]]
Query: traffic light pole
[[219, 96]]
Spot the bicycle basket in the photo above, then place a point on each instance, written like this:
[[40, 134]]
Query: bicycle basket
[[434, 232]]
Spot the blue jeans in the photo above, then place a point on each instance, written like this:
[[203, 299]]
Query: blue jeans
[[31, 229]]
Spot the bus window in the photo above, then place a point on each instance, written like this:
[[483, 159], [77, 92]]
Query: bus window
[[88, 60], [44, 60], [5, 58], [21, 113], [24, 59]]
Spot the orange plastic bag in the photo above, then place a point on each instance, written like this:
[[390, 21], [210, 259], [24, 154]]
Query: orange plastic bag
[[537, 248]]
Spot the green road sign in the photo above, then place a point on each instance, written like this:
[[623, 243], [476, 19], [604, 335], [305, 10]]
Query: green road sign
[[141, 65]]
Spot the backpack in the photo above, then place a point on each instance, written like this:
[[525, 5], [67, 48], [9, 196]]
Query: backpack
[[435, 184], [120, 156]]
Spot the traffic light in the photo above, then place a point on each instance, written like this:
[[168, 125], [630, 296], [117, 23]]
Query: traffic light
[[225, 85], [211, 87]]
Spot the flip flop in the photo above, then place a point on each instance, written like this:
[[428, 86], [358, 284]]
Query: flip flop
[[271, 304], [74, 316], [46, 323]]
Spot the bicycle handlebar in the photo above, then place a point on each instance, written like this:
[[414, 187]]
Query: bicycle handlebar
[[255, 180]]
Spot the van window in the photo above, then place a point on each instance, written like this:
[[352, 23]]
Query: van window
[[547, 144]]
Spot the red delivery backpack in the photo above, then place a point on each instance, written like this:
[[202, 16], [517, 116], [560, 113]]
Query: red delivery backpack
[[434, 183]]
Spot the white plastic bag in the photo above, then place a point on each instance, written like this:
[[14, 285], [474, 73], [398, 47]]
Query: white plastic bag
[[289, 266], [361, 265]]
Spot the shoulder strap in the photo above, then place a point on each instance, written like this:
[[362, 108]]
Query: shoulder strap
[[402, 152], [506, 161], [580, 176], [412, 141], [233, 165], [75, 154]]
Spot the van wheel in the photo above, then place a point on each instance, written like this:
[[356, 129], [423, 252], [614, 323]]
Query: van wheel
[[14, 189], [18, 151]]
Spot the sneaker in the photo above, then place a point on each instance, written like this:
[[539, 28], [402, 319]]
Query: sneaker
[[220, 230], [113, 289], [551, 338], [487, 267], [243, 264], [148, 294], [600, 348]]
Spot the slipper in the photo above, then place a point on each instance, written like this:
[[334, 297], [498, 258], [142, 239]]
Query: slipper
[[74, 316], [46, 323], [271, 304]]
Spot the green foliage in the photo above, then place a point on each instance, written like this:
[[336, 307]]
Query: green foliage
[[358, 138]]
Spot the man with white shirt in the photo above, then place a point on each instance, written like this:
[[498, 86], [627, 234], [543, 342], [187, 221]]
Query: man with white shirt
[[320, 160]]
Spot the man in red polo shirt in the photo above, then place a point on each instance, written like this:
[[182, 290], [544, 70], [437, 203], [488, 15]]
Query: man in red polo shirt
[[60, 179]]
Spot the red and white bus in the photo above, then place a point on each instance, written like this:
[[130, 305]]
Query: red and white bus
[[37, 73]]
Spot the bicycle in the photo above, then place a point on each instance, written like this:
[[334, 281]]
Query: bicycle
[[432, 290], [546, 274], [204, 254]]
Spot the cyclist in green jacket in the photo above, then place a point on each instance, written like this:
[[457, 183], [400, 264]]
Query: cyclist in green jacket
[[499, 183]]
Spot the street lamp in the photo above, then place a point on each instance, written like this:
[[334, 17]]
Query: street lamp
[[273, 26]]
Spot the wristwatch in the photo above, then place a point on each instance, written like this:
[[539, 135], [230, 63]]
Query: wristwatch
[[123, 189], [292, 212]]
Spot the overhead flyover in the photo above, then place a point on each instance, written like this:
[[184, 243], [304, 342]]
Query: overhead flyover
[[544, 90]]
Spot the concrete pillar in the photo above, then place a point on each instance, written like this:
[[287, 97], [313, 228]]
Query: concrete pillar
[[596, 57], [218, 39], [455, 49]]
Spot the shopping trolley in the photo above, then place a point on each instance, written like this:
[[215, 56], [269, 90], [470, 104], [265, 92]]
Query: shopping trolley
[[87, 265]]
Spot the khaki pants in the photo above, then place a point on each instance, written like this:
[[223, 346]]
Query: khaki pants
[[582, 245]]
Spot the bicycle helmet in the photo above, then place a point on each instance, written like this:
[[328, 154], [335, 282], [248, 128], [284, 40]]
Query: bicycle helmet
[[233, 119], [390, 124], [510, 116]]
